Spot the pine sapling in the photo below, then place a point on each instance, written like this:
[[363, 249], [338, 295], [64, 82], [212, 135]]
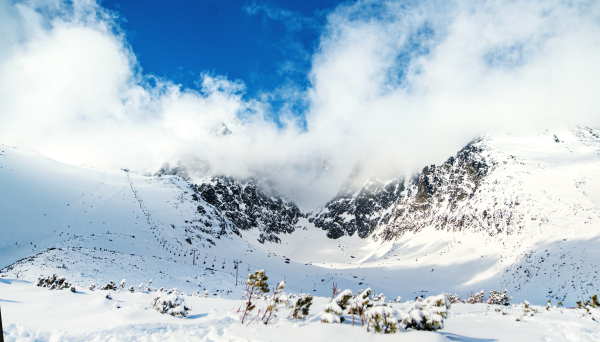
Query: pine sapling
[[497, 298], [274, 301], [301, 306], [335, 292], [256, 286], [359, 305], [335, 309]]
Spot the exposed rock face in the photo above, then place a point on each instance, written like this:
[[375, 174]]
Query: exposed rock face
[[358, 211], [481, 188], [439, 197], [432, 197], [246, 207]]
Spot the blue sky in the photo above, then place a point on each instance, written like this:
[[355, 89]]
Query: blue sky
[[309, 91], [263, 43]]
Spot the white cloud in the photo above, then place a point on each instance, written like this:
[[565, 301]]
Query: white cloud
[[394, 86]]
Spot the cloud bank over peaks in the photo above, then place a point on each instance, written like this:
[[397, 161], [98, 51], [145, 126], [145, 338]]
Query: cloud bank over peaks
[[394, 86]]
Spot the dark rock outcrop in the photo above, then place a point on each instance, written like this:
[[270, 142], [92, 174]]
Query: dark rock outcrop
[[395, 206], [246, 206]]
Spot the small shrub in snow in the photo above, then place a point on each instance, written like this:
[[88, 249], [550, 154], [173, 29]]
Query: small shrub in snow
[[528, 310], [170, 303], [382, 318], [196, 294], [109, 286], [116, 306], [108, 296], [330, 318], [421, 314], [52, 282], [122, 284], [479, 297], [73, 289], [256, 287], [274, 302], [455, 298], [497, 298], [300, 305], [378, 300], [592, 302], [131, 289], [337, 307], [359, 305], [143, 287], [427, 314], [591, 307], [92, 287]]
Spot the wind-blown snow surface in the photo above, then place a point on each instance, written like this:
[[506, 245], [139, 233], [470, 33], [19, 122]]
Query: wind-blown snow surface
[[94, 224]]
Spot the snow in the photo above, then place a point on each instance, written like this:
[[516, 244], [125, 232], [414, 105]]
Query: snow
[[32, 313], [93, 225]]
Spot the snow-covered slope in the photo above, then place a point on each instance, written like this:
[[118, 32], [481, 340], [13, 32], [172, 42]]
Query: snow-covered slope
[[514, 211], [508, 211]]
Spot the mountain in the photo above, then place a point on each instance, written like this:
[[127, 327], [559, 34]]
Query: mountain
[[520, 212], [247, 207], [531, 202], [433, 197]]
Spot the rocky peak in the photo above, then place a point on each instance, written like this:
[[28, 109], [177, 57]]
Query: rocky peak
[[395, 206], [247, 206], [358, 211]]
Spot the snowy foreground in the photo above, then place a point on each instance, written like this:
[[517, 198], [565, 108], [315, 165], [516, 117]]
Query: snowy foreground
[[33, 313]]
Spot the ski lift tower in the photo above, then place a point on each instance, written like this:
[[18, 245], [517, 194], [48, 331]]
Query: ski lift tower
[[236, 262]]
